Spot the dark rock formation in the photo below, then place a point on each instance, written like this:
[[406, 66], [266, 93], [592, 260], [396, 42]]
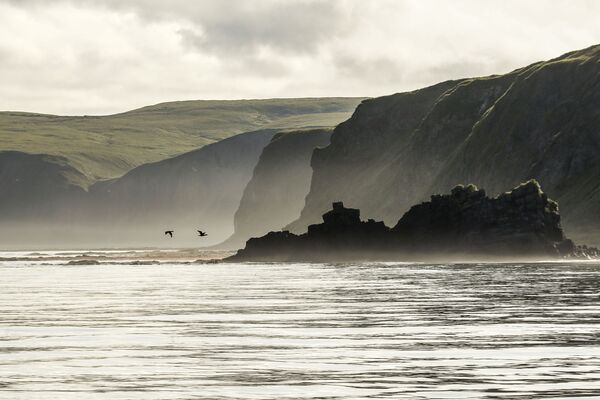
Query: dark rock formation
[[465, 224], [521, 221], [341, 236], [540, 122]]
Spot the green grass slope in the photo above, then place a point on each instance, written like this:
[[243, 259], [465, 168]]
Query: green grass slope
[[103, 147]]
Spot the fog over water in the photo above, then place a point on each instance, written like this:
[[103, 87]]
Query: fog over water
[[296, 331]]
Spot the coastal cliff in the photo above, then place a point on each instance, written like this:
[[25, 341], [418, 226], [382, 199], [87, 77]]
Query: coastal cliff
[[275, 195], [465, 224], [200, 189], [539, 122], [121, 180]]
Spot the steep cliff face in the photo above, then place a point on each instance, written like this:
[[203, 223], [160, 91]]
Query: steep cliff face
[[196, 190], [40, 207], [547, 127], [275, 195], [106, 147], [541, 121], [363, 148]]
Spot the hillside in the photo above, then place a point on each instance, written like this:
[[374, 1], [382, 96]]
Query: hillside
[[104, 147], [200, 189], [31, 184], [541, 121], [275, 195], [34, 190]]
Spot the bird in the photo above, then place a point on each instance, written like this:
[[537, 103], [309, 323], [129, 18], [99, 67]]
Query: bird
[[201, 233], [170, 233]]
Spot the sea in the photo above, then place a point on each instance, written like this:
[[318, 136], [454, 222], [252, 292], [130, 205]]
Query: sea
[[169, 325]]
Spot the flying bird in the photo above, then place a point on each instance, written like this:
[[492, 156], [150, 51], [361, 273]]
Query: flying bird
[[170, 233], [201, 233]]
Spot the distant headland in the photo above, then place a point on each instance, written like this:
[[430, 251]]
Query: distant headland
[[465, 224]]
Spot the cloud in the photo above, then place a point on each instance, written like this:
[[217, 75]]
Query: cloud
[[292, 27], [232, 26], [102, 56]]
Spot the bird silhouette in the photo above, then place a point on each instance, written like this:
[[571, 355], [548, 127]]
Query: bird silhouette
[[170, 233], [201, 233]]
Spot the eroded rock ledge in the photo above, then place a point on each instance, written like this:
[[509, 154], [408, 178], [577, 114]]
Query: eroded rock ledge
[[465, 224]]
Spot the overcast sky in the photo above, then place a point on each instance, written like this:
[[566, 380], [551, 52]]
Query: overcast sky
[[106, 56]]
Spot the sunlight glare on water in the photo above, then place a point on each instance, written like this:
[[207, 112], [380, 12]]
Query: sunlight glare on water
[[299, 331]]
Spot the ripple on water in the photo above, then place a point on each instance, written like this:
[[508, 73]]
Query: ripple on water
[[299, 331]]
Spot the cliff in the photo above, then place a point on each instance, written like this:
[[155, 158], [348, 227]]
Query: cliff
[[107, 146], [61, 197], [275, 195], [463, 225], [541, 121], [200, 189]]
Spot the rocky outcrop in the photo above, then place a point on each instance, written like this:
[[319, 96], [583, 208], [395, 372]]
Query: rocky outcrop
[[275, 195], [522, 221], [541, 122], [465, 224]]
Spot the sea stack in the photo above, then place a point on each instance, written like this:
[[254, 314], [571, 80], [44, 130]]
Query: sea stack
[[463, 225]]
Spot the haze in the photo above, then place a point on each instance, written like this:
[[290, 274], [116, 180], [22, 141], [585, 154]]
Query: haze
[[99, 57]]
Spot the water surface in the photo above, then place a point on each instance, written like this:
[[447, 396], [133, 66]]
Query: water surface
[[299, 331]]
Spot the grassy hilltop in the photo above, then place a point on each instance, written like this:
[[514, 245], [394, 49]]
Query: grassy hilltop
[[102, 147]]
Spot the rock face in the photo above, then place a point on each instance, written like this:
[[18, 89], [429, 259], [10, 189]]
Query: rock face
[[200, 189], [540, 122], [275, 195], [108, 146], [521, 221], [465, 224], [121, 180]]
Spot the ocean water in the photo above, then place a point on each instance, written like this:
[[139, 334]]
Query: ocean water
[[296, 331]]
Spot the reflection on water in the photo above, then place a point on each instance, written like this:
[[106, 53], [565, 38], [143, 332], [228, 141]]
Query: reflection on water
[[299, 331]]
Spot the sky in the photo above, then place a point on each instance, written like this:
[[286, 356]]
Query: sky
[[95, 57]]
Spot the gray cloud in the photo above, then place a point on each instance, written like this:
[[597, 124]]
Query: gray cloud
[[378, 70], [288, 27], [100, 56], [234, 26]]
